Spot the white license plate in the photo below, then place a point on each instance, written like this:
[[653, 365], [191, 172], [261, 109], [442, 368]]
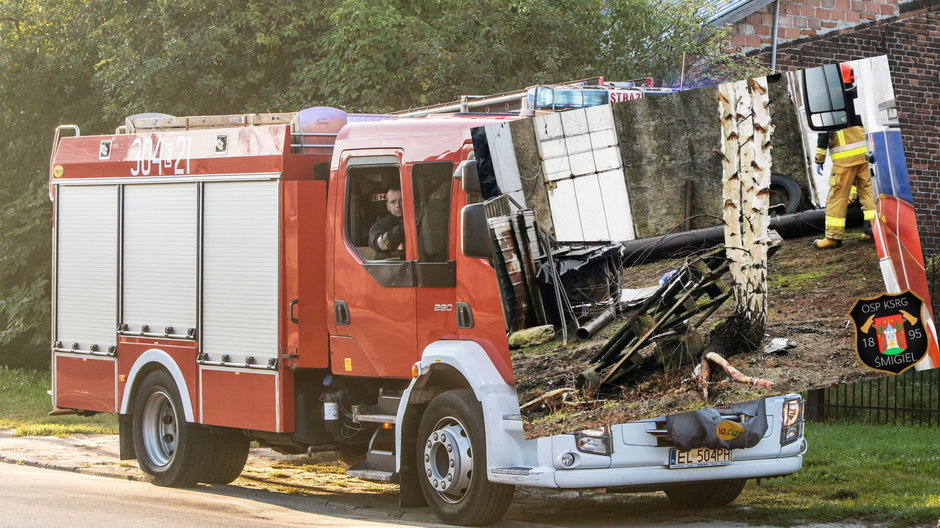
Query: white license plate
[[699, 457]]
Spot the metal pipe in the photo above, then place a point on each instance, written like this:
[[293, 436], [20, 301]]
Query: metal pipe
[[678, 244], [592, 326], [773, 40]]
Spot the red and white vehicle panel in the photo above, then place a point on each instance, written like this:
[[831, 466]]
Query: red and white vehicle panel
[[170, 246]]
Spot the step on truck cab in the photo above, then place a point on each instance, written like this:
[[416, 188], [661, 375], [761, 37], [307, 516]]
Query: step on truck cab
[[216, 281]]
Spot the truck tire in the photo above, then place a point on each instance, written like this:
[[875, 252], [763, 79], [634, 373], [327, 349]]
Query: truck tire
[[786, 192], [170, 450], [227, 459], [451, 462], [706, 494]]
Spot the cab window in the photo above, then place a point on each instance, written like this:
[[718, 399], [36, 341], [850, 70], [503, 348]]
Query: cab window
[[374, 212], [432, 183]]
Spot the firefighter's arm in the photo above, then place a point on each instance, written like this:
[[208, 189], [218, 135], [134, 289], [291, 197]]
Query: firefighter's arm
[[822, 147], [384, 238], [392, 238]]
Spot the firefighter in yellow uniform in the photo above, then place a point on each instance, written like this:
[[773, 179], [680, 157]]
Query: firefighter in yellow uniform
[[847, 149]]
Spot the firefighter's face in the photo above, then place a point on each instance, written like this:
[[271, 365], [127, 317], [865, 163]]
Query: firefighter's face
[[393, 203]]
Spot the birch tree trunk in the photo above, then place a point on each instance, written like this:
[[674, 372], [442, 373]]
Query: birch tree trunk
[[745, 152]]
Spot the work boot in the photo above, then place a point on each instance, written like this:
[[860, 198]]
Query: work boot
[[866, 232], [827, 243]]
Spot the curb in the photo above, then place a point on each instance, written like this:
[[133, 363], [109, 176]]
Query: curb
[[72, 469]]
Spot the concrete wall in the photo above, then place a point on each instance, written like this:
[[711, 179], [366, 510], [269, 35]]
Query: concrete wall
[[666, 141]]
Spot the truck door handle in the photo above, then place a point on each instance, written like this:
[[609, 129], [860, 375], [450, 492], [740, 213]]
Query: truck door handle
[[292, 305], [341, 311], [464, 315]]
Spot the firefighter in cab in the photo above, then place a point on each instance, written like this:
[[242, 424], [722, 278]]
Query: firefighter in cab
[[850, 172]]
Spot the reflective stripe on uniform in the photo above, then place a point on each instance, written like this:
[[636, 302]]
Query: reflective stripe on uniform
[[869, 215], [850, 146], [835, 221], [848, 153]]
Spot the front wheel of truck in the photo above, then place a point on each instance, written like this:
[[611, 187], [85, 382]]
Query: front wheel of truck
[[170, 450], [451, 461], [706, 494]]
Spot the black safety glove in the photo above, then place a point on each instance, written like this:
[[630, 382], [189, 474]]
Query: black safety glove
[[395, 235]]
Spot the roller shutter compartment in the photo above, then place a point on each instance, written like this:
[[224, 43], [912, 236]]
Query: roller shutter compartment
[[240, 272]]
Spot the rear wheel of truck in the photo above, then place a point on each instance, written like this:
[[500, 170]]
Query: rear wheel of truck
[[229, 452], [706, 494], [170, 450], [451, 462]]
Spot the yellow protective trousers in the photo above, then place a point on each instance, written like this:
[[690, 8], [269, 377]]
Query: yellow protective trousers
[[840, 187]]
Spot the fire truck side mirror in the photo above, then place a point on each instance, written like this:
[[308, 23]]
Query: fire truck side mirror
[[475, 233], [469, 177], [829, 101]]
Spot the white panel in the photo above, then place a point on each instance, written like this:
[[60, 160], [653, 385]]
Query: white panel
[[603, 138], [599, 117], [591, 206], [86, 267], [160, 237], [578, 143], [574, 122], [503, 154], [606, 159], [556, 168], [548, 126], [240, 266], [564, 205], [553, 148], [617, 205], [582, 163]]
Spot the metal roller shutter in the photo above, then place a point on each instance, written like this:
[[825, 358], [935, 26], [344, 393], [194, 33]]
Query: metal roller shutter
[[160, 252], [240, 271], [86, 267]]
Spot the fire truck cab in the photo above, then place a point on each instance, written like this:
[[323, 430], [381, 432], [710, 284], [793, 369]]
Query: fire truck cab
[[215, 282]]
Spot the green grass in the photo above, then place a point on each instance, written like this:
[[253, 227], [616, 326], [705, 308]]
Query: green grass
[[24, 404], [889, 475], [796, 280]]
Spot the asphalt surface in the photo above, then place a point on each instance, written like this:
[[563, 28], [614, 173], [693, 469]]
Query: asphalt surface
[[269, 491]]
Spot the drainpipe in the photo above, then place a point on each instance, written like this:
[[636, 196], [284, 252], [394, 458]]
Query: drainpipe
[[773, 50]]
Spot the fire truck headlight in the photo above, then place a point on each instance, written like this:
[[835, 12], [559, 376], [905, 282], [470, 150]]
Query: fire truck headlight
[[595, 441], [792, 420]]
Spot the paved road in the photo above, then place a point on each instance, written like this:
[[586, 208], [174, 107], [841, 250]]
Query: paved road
[[69, 488], [37, 497]]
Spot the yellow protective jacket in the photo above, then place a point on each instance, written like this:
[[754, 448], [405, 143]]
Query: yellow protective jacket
[[846, 147]]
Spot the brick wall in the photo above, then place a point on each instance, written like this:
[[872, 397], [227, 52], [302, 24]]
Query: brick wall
[[803, 18], [911, 41]]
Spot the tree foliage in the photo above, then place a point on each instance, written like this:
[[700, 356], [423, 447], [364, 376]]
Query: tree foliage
[[93, 62]]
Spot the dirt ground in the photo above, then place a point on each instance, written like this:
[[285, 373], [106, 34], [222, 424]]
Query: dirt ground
[[810, 294]]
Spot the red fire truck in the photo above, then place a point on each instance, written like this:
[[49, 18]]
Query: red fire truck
[[214, 284]]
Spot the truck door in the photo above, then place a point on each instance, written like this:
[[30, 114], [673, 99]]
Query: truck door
[[374, 299], [435, 271]]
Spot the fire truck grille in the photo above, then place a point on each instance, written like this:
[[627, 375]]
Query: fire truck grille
[[662, 434]]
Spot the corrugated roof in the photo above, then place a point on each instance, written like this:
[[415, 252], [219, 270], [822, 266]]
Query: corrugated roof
[[728, 11]]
